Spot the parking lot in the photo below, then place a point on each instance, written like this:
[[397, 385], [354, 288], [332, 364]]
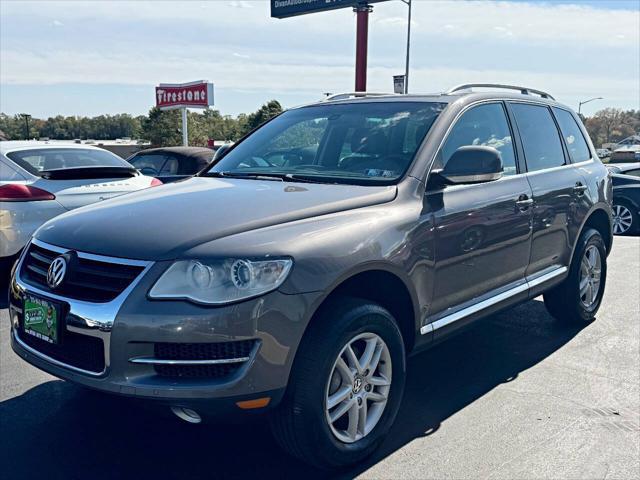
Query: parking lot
[[516, 396]]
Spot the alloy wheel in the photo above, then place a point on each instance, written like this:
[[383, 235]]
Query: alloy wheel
[[622, 219], [590, 271], [358, 387]]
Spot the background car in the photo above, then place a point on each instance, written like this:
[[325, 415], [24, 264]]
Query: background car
[[603, 152], [171, 163], [41, 181], [632, 169], [626, 204], [626, 154]]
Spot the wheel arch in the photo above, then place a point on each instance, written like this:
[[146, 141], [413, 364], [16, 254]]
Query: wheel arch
[[381, 284], [600, 219]]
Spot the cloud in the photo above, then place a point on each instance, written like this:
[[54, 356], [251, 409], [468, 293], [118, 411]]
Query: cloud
[[240, 55], [240, 4], [57, 23]]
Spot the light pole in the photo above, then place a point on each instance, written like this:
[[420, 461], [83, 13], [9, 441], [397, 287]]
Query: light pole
[[406, 65], [587, 101], [26, 117]]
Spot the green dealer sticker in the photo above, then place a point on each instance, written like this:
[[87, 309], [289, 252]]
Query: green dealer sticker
[[41, 319]]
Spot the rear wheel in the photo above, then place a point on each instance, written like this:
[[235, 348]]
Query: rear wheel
[[345, 387], [578, 298]]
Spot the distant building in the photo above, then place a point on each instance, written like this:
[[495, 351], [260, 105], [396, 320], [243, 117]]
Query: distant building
[[3, 137]]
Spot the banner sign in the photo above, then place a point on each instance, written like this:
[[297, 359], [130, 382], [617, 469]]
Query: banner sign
[[192, 95], [291, 8]]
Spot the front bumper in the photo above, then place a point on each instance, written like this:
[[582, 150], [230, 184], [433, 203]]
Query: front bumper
[[130, 326]]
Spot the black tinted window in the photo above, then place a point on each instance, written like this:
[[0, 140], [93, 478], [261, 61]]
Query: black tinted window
[[576, 144], [540, 137], [484, 125], [39, 160]]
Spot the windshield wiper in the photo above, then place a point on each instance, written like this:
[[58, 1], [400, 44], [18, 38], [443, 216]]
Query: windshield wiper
[[283, 177]]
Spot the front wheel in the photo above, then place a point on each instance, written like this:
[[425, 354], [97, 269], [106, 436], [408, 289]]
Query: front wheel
[[578, 298], [625, 219], [345, 386]]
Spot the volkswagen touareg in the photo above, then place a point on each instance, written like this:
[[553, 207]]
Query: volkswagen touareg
[[296, 274]]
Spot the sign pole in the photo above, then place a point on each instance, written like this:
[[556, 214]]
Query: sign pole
[[362, 34], [185, 133], [406, 68]]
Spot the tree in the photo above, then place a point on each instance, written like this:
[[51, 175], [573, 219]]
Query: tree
[[162, 127], [264, 113], [612, 125]]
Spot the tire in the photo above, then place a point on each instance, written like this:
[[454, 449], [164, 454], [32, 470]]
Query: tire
[[567, 302], [625, 218], [301, 423]]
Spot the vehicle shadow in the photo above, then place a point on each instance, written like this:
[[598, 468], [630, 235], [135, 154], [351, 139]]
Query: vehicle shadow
[[59, 430]]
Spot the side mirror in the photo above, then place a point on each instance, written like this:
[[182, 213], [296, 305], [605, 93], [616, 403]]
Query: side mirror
[[473, 164]]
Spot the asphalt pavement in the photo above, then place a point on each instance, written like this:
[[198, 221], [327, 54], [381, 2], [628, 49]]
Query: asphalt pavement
[[516, 396]]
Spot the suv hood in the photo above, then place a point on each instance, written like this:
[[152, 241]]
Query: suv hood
[[161, 223]]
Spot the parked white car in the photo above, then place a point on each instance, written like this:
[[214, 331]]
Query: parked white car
[[40, 181]]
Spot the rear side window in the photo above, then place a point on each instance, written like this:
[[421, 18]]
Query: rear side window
[[8, 174], [484, 125], [540, 137], [576, 144]]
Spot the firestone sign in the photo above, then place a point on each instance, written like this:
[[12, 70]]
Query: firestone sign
[[192, 95]]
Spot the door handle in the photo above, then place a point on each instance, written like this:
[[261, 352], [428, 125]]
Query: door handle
[[524, 202], [579, 188]]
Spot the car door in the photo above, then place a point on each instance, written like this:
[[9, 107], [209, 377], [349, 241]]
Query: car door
[[482, 231], [557, 186]]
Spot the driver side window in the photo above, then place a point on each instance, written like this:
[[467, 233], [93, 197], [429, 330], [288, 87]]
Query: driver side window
[[484, 125]]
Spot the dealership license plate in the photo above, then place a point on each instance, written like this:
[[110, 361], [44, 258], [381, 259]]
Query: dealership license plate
[[41, 318]]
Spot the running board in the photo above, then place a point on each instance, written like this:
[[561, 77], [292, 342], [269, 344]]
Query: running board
[[465, 312]]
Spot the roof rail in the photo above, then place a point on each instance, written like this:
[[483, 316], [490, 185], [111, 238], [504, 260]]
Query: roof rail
[[523, 90], [344, 96]]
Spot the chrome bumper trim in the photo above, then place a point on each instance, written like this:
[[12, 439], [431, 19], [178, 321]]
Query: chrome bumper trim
[[53, 361], [86, 318], [160, 361]]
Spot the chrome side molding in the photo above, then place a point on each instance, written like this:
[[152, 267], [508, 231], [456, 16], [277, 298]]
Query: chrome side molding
[[465, 312]]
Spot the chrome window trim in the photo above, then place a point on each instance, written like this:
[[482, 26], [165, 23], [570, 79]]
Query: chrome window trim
[[465, 312]]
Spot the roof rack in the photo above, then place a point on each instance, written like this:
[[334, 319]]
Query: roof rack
[[344, 96], [523, 90]]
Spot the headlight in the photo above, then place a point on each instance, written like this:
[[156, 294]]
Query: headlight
[[220, 281]]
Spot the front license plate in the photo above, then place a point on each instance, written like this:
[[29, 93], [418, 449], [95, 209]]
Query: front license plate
[[41, 318]]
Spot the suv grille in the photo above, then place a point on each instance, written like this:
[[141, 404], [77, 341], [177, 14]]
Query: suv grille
[[80, 351], [202, 351], [89, 280]]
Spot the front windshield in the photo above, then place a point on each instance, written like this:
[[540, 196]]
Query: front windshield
[[359, 143]]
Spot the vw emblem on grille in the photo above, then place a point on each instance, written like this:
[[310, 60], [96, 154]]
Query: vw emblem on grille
[[57, 271]]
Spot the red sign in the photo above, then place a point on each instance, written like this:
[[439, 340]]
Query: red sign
[[192, 95]]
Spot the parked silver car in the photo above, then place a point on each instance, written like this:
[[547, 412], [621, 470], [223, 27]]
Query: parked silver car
[[297, 273], [39, 181]]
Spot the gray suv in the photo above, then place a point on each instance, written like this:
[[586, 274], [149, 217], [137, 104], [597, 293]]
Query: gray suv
[[296, 274]]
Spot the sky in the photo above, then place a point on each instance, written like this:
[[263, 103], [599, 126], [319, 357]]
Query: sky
[[92, 58]]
